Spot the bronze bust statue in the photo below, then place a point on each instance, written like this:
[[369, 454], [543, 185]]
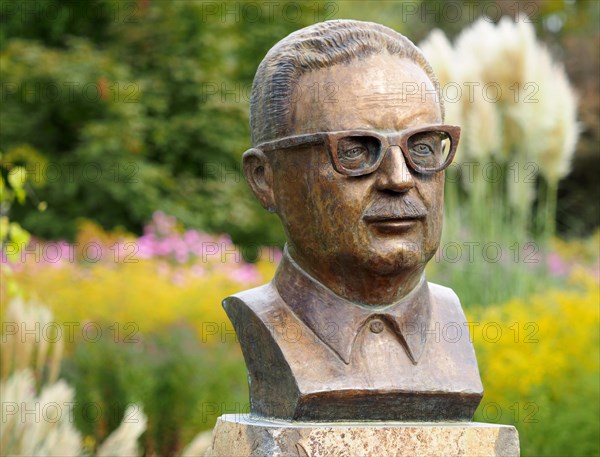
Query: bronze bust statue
[[349, 149]]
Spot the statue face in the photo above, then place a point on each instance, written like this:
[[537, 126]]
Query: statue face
[[329, 217]]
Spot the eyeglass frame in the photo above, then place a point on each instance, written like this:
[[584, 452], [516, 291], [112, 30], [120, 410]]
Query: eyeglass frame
[[399, 139]]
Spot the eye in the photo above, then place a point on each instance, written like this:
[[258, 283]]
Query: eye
[[355, 153], [421, 149], [429, 149]]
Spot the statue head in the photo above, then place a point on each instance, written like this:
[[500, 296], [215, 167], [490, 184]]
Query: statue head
[[349, 149]]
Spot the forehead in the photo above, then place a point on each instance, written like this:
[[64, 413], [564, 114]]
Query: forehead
[[379, 92]]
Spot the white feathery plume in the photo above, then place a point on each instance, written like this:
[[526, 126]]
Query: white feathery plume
[[534, 119], [41, 425], [17, 390], [483, 127], [199, 445], [123, 441], [52, 425], [558, 126], [440, 55], [476, 50]]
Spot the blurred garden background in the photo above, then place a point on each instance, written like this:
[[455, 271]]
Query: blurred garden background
[[125, 220]]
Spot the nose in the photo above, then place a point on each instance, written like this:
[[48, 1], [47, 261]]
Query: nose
[[393, 173]]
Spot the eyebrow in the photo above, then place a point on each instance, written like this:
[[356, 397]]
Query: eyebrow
[[399, 121]]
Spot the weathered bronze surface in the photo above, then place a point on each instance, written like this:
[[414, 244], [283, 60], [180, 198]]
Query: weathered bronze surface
[[349, 151]]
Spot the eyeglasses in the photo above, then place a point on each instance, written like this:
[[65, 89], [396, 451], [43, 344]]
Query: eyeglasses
[[427, 149]]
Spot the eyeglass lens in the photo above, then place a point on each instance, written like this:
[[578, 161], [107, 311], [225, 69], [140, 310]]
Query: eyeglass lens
[[356, 153], [428, 150]]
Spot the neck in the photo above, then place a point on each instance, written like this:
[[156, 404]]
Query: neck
[[364, 286]]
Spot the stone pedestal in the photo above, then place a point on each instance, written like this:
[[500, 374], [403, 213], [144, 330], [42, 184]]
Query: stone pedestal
[[245, 436]]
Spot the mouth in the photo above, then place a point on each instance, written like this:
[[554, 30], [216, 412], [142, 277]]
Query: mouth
[[393, 225]]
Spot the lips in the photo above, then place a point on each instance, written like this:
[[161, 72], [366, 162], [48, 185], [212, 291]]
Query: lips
[[392, 226], [392, 218]]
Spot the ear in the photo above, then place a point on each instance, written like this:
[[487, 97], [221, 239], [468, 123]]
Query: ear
[[259, 174]]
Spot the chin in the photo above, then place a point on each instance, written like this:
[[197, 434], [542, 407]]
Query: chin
[[393, 260]]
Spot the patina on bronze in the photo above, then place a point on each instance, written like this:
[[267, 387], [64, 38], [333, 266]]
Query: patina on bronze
[[350, 150]]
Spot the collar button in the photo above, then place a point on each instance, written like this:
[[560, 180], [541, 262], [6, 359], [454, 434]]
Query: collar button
[[376, 326]]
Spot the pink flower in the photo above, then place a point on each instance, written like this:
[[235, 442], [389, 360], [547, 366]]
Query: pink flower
[[246, 274], [145, 245], [556, 265], [164, 224], [197, 270]]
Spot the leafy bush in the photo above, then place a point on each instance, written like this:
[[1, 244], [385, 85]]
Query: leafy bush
[[181, 383], [125, 109]]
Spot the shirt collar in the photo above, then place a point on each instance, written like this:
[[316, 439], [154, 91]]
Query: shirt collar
[[337, 321]]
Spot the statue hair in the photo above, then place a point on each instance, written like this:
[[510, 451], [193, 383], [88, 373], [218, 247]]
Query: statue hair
[[318, 46]]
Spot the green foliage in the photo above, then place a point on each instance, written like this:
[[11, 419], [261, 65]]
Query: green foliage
[[66, 103], [153, 97], [559, 418], [13, 182], [479, 278], [54, 22], [181, 383], [568, 412]]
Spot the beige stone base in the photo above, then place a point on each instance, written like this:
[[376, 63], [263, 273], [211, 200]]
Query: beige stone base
[[245, 436]]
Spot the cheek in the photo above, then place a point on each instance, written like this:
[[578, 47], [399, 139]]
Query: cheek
[[339, 203], [288, 192], [290, 187], [333, 201], [308, 195], [432, 193], [438, 201], [431, 190]]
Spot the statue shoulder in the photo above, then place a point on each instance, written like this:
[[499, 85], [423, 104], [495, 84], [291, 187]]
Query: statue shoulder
[[258, 301], [442, 292], [446, 300], [256, 315]]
